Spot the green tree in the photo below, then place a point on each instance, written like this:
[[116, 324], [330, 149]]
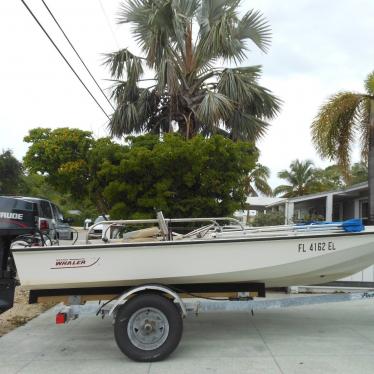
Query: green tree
[[181, 42], [36, 185], [11, 172], [358, 173], [257, 181], [344, 117], [102, 161], [300, 177], [61, 155], [330, 178], [183, 178]]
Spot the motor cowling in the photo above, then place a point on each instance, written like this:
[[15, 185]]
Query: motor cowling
[[17, 217]]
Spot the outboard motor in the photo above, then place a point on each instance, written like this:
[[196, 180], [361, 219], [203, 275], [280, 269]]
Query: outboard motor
[[17, 217]]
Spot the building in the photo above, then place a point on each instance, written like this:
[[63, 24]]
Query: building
[[351, 202], [255, 204]]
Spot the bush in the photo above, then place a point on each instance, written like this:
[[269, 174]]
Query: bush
[[269, 219]]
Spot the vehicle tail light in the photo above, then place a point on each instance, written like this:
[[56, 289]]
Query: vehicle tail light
[[43, 225], [61, 318]]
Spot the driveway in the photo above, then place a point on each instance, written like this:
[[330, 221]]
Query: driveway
[[331, 338]]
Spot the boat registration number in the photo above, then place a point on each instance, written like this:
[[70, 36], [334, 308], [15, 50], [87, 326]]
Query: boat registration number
[[316, 247]]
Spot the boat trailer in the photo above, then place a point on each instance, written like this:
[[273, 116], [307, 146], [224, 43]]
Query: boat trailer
[[148, 320]]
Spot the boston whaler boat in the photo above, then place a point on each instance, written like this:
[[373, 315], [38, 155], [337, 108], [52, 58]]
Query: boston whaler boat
[[277, 256], [150, 271]]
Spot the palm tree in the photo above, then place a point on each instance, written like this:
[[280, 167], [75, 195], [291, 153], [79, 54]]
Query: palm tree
[[182, 41], [256, 181], [340, 120], [300, 178]]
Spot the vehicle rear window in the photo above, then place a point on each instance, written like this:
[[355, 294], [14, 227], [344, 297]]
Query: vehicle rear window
[[9, 204], [46, 209]]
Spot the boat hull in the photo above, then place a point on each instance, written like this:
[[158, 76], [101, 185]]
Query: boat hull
[[277, 262]]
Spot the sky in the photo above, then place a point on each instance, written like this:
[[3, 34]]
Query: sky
[[318, 48]]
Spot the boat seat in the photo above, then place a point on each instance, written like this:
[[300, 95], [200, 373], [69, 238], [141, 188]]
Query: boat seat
[[146, 240], [143, 234]]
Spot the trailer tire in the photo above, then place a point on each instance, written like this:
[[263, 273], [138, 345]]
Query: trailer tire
[[148, 327]]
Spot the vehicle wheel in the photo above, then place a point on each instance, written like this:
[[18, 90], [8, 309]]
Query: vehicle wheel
[[148, 327]]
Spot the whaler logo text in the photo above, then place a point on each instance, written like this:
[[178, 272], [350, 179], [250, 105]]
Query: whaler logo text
[[64, 263], [8, 215]]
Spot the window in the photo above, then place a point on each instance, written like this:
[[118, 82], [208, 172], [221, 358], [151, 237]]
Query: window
[[10, 204], [57, 213], [46, 209]]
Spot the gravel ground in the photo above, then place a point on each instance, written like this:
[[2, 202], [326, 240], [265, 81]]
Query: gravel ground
[[21, 313]]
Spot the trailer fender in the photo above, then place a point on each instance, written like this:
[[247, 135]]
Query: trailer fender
[[155, 287]]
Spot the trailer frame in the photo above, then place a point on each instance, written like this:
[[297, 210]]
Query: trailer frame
[[185, 305]]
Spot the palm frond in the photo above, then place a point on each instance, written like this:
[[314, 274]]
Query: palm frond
[[254, 27], [260, 176], [236, 83], [301, 179], [333, 129], [124, 62], [263, 187], [152, 25], [241, 86], [134, 115], [217, 24], [244, 126], [224, 35], [211, 11], [167, 77], [213, 108], [261, 171], [122, 91], [183, 12], [284, 189], [124, 120], [364, 129], [285, 174]]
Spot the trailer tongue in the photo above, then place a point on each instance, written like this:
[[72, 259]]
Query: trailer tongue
[[17, 217]]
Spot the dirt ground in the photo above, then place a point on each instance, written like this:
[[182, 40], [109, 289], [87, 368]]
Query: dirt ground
[[21, 313]]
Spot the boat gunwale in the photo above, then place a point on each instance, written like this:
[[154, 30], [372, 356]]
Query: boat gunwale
[[125, 245]]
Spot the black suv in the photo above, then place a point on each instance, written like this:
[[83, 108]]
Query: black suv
[[50, 218]]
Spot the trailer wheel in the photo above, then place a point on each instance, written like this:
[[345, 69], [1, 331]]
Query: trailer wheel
[[148, 327]]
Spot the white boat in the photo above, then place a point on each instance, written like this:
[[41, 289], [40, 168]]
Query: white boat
[[275, 256]]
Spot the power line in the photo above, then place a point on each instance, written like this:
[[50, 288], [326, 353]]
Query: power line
[[108, 23], [64, 58], [76, 52]]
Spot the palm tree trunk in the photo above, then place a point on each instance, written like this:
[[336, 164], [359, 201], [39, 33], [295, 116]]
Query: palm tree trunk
[[371, 163], [189, 51]]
